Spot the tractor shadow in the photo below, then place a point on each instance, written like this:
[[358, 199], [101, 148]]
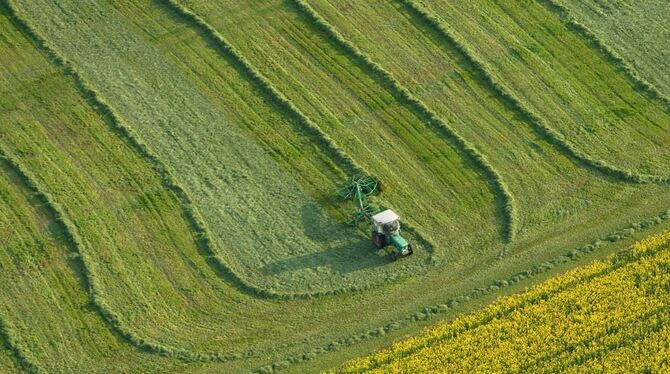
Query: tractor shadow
[[349, 250]]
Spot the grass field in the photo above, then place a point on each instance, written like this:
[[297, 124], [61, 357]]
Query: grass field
[[637, 31], [174, 167], [607, 316]]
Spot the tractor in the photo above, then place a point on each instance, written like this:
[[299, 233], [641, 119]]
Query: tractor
[[385, 224]]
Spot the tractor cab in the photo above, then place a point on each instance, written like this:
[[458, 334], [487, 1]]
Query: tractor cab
[[386, 231]]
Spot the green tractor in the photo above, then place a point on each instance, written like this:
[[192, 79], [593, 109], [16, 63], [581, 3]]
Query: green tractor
[[385, 225]]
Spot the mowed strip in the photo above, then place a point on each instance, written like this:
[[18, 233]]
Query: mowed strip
[[348, 258], [637, 30], [441, 76], [149, 271], [260, 219], [140, 252], [44, 305], [428, 181], [565, 80]]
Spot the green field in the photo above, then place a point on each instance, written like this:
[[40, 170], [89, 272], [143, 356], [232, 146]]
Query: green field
[[169, 169], [637, 31]]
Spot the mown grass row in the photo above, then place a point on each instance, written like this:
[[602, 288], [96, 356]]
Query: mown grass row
[[638, 81], [367, 119], [112, 317], [19, 351], [433, 311], [223, 269], [548, 133], [342, 158], [637, 257], [97, 296], [427, 114], [637, 31], [219, 177]]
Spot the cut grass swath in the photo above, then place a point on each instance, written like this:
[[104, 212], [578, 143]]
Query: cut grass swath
[[545, 130], [429, 116]]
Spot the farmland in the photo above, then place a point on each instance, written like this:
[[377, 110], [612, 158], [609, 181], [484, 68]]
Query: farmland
[[174, 165], [609, 315], [637, 32]]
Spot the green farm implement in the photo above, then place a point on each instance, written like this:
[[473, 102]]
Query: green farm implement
[[385, 224]]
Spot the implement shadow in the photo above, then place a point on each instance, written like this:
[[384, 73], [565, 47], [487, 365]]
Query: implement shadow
[[345, 254]]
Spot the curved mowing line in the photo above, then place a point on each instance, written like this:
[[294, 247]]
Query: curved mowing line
[[350, 165], [194, 219], [419, 107], [638, 81], [544, 130], [17, 348]]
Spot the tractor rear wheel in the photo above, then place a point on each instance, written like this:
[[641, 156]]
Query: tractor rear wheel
[[378, 239]]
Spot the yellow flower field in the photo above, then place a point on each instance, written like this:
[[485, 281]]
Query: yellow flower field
[[609, 316]]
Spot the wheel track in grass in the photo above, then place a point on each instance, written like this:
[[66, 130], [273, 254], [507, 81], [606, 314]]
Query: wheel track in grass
[[541, 127], [404, 95]]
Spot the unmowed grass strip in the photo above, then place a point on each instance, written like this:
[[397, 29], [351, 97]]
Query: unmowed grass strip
[[610, 54], [643, 259], [546, 131], [390, 82]]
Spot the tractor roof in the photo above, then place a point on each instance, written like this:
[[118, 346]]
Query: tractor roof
[[385, 217]]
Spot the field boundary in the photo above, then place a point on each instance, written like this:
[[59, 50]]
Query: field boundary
[[545, 131], [614, 262], [390, 82], [606, 51], [432, 311]]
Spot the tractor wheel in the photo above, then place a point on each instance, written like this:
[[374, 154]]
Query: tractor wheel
[[410, 250], [394, 256], [378, 240]]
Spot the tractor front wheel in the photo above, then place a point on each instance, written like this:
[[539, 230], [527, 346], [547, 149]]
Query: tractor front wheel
[[394, 256]]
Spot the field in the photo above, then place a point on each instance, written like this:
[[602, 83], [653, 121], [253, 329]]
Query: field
[[168, 172], [637, 32], [603, 317]]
